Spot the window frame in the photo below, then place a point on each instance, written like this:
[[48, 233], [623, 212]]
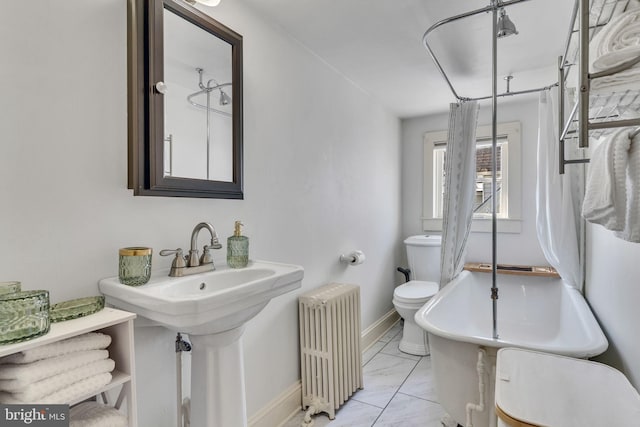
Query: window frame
[[511, 192]]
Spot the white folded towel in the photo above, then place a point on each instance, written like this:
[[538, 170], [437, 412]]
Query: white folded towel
[[94, 414], [605, 193], [88, 341], [35, 391], [616, 43], [19, 376], [86, 387], [631, 230]]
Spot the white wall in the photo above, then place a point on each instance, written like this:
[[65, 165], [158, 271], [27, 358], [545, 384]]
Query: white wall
[[613, 291], [322, 176], [520, 248]]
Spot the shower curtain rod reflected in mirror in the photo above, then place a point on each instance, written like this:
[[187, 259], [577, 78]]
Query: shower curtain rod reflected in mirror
[[225, 99], [204, 107]]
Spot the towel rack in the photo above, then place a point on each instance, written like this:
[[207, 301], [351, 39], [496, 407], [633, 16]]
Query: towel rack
[[580, 112]]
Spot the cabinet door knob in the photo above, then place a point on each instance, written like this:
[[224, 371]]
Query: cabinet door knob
[[161, 87]]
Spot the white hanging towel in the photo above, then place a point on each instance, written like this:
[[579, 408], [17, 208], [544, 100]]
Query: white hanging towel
[[605, 199], [631, 230]]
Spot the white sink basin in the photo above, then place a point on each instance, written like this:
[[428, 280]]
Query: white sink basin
[[212, 308], [205, 303]]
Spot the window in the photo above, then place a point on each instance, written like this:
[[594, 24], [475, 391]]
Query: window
[[508, 179]]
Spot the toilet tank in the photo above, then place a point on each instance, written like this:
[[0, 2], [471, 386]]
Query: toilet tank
[[423, 254]]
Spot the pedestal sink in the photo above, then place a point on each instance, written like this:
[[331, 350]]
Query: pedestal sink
[[213, 309]]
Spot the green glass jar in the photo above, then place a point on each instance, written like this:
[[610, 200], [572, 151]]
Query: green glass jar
[[135, 265], [23, 316]]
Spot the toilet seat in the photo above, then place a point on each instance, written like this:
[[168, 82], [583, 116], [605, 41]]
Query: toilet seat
[[415, 292]]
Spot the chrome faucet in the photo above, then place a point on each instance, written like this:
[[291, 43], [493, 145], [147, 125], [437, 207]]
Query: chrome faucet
[[193, 260], [192, 264]]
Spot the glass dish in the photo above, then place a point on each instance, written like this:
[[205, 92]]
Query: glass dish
[[10, 287], [75, 308], [23, 316]]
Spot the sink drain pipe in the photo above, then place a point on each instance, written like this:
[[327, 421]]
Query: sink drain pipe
[[181, 345]]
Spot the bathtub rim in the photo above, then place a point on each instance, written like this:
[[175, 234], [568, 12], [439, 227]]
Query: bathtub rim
[[593, 347]]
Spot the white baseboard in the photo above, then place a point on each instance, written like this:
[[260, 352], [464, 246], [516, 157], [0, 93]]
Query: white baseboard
[[289, 402], [374, 332], [281, 409]]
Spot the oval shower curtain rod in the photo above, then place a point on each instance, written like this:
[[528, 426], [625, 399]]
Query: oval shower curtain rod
[[501, 27], [224, 100], [493, 6], [204, 107]]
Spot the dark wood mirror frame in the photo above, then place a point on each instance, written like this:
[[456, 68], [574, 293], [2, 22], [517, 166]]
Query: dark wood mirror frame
[[146, 105]]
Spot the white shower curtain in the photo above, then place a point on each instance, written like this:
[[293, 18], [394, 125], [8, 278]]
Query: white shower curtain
[[556, 222], [459, 187]]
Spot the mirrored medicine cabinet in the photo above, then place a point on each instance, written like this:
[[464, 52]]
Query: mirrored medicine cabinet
[[184, 102]]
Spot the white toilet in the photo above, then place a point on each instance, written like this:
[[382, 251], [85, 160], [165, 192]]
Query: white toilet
[[423, 253]]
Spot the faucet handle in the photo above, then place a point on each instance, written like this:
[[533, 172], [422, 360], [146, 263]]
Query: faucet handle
[[178, 261], [167, 252], [206, 257]]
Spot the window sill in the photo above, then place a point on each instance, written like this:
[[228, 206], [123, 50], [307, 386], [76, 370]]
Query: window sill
[[479, 225]]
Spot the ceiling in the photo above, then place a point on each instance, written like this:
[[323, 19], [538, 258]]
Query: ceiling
[[377, 44]]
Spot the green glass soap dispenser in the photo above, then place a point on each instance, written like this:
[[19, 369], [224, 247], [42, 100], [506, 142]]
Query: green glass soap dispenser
[[237, 248]]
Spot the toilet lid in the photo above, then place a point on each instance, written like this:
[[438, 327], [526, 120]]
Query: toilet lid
[[416, 291], [535, 388]]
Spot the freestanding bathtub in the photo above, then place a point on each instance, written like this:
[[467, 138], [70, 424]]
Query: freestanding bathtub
[[537, 313]]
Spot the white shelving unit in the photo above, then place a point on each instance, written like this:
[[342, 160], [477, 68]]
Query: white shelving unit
[[119, 325]]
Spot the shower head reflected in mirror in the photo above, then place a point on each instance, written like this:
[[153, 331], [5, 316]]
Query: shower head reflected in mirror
[[224, 98], [505, 26], [208, 90]]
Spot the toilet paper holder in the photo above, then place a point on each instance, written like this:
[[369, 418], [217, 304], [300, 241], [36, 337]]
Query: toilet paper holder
[[353, 258]]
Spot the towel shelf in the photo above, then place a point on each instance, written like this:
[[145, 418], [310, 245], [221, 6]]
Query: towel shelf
[[593, 114], [119, 325]]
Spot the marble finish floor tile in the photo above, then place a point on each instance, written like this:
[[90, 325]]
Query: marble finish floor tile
[[398, 391], [392, 348], [409, 411], [420, 382], [382, 377], [391, 333], [372, 351], [351, 414]]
